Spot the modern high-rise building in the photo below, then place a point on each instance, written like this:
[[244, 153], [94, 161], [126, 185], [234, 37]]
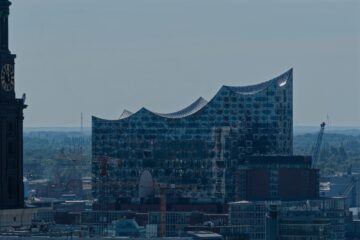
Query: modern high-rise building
[[197, 150], [11, 123]]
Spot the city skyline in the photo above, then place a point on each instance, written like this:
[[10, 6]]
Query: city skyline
[[231, 165], [129, 57]]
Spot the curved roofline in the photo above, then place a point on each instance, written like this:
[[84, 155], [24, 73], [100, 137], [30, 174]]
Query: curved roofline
[[125, 114], [201, 103], [253, 89], [187, 111]]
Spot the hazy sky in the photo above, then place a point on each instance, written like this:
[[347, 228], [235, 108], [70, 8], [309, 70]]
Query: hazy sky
[[101, 56]]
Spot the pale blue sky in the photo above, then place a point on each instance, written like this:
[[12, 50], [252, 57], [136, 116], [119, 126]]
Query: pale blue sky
[[101, 56]]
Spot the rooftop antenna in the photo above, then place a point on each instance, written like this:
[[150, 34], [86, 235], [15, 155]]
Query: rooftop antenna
[[82, 136], [82, 123]]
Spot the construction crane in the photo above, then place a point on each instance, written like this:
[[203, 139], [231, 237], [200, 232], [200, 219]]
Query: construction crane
[[316, 149], [349, 187], [163, 190]]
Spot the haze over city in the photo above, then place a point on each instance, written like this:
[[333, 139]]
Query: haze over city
[[179, 119], [99, 57]]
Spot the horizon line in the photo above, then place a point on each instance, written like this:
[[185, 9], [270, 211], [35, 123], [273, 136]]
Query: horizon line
[[305, 125]]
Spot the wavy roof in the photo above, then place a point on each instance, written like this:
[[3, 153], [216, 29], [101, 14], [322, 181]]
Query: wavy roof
[[189, 110], [125, 114], [253, 89], [200, 103]]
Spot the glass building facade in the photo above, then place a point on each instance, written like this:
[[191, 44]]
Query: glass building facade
[[198, 148]]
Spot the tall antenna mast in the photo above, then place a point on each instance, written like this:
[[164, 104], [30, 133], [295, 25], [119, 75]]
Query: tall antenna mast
[[82, 123], [82, 135]]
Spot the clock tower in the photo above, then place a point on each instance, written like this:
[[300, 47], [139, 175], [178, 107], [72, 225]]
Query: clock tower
[[11, 123]]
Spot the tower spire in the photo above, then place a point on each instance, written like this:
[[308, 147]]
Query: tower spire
[[4, 25], [11, 123], [7, 60]]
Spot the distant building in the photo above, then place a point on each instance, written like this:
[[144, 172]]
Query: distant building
[[13, 219], [98, 221], [304, 228], [277, 178], [204, 235], [197, 149], [126, 228], [175, 222], [347, 186], [251, 214], [354, 232], [151, 230], [179, 222], [306, 220]]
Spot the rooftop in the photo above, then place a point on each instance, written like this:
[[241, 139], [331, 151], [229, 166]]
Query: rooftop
[[201, 103]]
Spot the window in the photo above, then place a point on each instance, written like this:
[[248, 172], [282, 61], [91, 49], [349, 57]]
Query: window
[[147, 154]]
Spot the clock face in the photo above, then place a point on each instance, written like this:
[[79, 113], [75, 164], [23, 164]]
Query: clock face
[[7, 77]]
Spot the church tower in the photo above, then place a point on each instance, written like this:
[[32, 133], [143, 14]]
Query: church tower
[[11, 122]]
